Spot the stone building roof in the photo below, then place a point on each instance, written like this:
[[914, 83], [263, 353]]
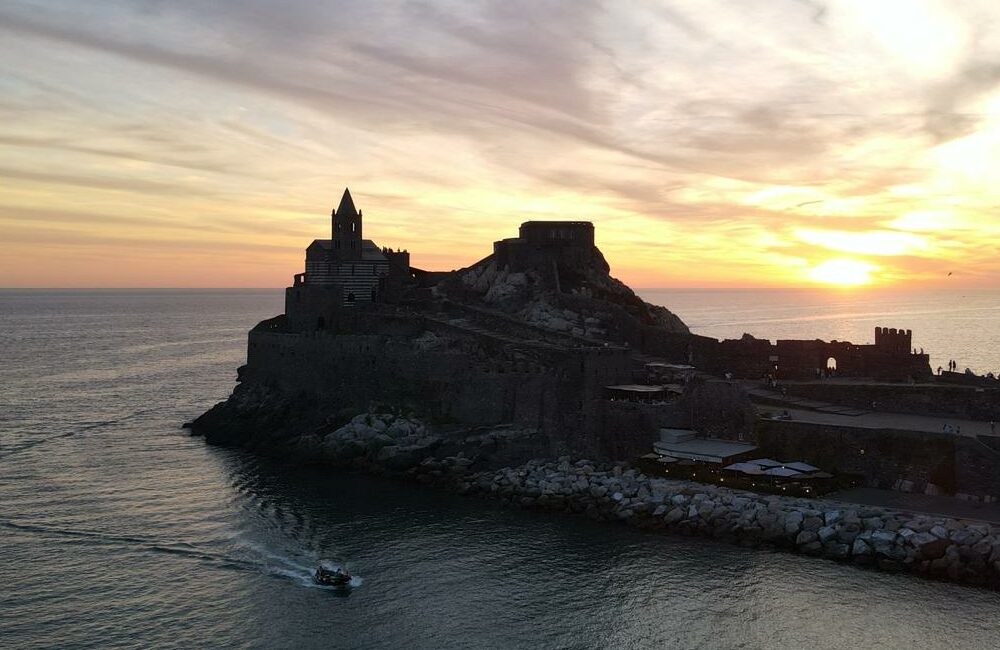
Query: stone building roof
[[346, 206], [370, 252]]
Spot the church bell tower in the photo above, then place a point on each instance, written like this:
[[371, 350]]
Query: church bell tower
[[346, 220]]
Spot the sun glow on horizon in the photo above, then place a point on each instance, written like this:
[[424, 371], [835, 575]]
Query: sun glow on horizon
[[838, 146], [842, 273]]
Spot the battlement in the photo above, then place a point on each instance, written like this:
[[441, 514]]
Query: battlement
[[570, 244], [576, 233], [893, 340]]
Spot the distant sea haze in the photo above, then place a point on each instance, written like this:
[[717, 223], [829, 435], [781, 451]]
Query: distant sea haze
[[949, 324]]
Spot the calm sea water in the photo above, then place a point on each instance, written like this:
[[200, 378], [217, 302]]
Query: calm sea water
[[119, 531]]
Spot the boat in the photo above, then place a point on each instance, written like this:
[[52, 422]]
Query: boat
[[332, 576]]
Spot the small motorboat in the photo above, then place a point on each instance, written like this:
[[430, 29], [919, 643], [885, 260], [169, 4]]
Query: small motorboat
[[332, 576]]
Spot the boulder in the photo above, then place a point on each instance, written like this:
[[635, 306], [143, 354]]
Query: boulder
[[940, 531], [674, 516], [806, 537], [860, 548], [826, 533], [402, 457], [873, 523], [928, 546], [882, 541], [812, 523], [965, 537]]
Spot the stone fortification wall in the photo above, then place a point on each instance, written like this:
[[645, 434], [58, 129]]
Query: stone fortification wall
[[450, 371], [965, 402], [890, 459], [802, 359], [446, 379]]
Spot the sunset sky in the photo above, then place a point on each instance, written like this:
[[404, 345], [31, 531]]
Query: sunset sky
[[188, 143]]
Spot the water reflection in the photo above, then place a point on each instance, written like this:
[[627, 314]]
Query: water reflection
[[444, 571]]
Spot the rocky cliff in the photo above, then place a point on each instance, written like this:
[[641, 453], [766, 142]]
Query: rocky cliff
[[576, 295]]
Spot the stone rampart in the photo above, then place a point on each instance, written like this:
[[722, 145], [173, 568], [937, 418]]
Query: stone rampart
[[887, 458], [965, 402]]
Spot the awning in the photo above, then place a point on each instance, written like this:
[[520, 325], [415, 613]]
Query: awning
[[764, 462], [801, 467], [781, 471], [745, 468], [817, 475]]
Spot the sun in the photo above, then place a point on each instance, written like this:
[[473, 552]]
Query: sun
[[842, 272]]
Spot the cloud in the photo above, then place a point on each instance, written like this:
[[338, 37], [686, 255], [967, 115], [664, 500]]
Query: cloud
[[677, 127]]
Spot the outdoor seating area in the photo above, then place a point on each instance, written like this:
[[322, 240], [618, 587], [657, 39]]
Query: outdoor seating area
[[794, 478]]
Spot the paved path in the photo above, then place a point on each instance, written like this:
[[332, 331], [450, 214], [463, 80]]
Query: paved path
[[903, 421], [932, 505], [816, 412], [800, 402]]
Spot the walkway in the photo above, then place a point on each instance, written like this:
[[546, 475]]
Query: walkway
[[932, 505], [802, 409], [901, 421]]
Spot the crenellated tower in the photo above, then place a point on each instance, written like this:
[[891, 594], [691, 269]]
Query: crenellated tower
[[893, 341]]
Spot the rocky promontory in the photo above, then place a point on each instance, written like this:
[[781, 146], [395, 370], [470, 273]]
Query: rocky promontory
[[472, 462], [460, 378]]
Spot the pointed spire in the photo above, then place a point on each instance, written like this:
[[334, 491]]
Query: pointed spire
[[346, 207]]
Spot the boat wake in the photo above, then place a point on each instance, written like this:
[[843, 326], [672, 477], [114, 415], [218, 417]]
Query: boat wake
[[30, 444], [298, 567], [248, 555]]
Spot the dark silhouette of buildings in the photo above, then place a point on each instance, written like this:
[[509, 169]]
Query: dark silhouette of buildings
[[889, 358], [343, 271]]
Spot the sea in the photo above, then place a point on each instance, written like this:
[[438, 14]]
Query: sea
[[118, 530]]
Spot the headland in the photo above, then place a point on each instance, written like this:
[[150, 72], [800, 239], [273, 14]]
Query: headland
[[535, 376]]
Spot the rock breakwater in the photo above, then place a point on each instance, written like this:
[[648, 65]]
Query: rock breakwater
[[482, 463], [937, 547]]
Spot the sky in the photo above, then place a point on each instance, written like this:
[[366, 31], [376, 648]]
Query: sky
[[759, 143]]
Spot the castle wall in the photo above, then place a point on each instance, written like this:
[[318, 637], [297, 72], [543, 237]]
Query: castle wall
[[888, 458], [310, 307], [548, 248], [890, 358], [882, 456], [575, 233], [963, 402], [452, 374]]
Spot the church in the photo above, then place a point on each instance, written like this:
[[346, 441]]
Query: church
[[344, 271]]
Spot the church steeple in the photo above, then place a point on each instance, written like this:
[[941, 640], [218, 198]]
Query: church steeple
[[346, 219]]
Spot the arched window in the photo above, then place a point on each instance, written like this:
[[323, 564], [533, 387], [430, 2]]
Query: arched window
[[831, 364]]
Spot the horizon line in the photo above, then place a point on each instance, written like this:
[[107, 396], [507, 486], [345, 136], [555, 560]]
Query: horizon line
[[837, 289]]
